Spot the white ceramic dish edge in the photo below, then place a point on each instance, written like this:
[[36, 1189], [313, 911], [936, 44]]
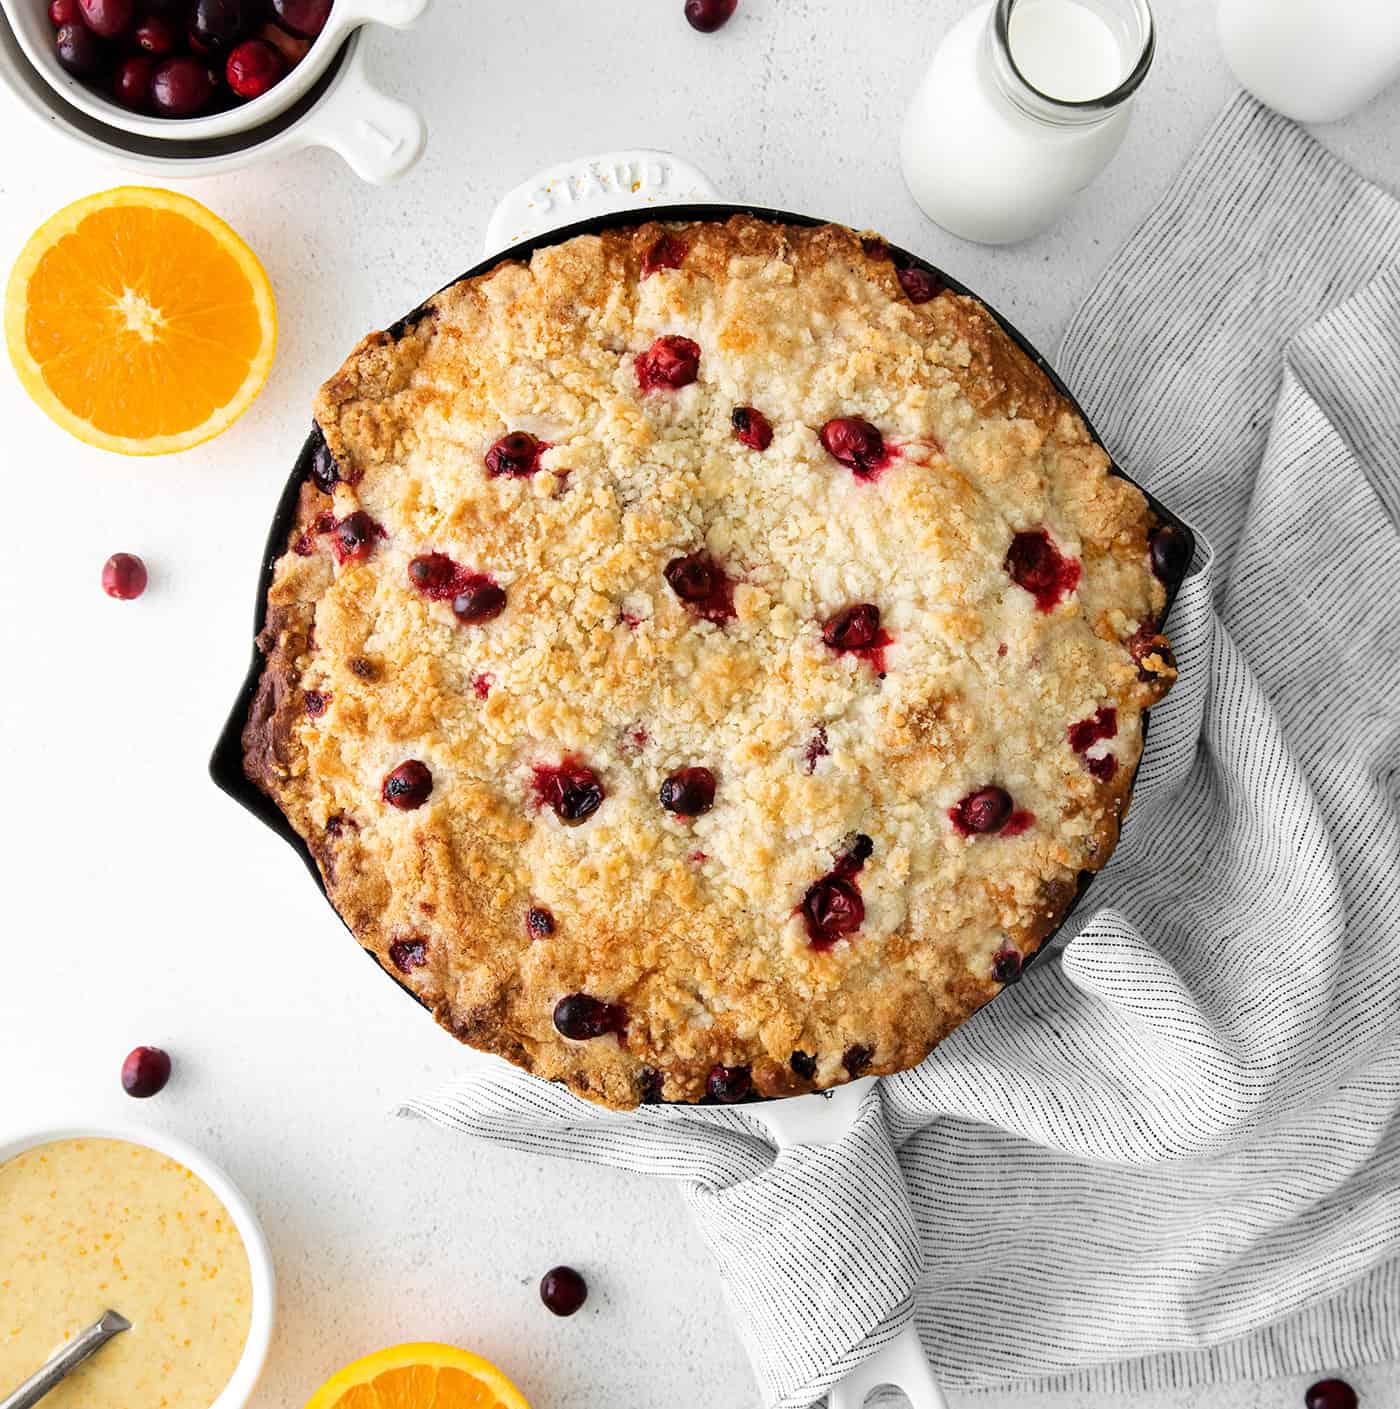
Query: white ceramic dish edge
[[379, 137], [239, 1390], [633, 180], [30, 22]]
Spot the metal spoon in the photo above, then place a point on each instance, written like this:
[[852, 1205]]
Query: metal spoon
[[84, 1344]]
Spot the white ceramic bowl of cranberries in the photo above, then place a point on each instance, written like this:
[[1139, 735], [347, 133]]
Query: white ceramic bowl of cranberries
[[378, 137], [190, 70]]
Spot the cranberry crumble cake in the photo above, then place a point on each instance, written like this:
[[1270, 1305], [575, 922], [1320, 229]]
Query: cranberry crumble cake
[[706, 657]]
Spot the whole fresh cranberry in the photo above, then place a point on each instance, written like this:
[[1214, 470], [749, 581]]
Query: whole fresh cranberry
[[688, 792], [219, 24], [669, 363], [408, 787], [291, 47], [108, 18], [563, 1290], [304, 17], [145, 1071], [124, 576], [581, 1017], [182, 86], [156, 35], [62, 12], [517, 453], [1330, 1394], [751, 428], [254, 68], [709, 15], [132, 84], [79, 50], [728, 1085]]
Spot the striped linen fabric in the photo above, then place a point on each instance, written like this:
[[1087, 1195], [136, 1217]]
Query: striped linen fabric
[[1172, 1152]]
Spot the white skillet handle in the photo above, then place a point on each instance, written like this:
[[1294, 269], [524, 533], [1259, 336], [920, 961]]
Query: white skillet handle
[[597, 185], [397, 13], [378, 137], [822, 1120]]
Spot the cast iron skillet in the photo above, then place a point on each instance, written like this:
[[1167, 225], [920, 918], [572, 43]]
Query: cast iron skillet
[[226, 765]]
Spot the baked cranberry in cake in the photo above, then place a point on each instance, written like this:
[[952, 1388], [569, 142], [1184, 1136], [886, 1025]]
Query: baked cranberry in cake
[[803, 1064], [751, 428], [408, 954], [854, 628], [702, 585], [124, 576], [435, 575], [831, 909], [986, 810], [1102, 724], [517, 453], [1036, 564], [666, 252], [688, 792], [478, 599], [145, 1072], [539, 922], [1103, 767], [315, 702], [670, 363], [572, 789], [1171, 555], [650, 1086], [353, 537], [581, 1017], [709, 15], [729, 1085], [563, 1290], [408, 787], [857, 1058], [918, 284], [855, 443], [1006, 964], [325, 473]]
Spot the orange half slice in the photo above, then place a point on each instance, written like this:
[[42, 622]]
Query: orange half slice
[[139, 321], [421, 1376]]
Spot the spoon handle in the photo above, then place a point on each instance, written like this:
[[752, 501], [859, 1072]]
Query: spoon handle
[[84, 1344]]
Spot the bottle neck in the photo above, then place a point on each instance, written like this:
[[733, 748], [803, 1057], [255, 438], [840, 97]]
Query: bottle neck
[[1132, 26]]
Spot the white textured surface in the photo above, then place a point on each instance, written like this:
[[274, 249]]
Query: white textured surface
[[144, 907]]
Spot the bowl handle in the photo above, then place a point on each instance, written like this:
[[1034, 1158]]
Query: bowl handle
[[378, 137], [398, 14], [598, 185]]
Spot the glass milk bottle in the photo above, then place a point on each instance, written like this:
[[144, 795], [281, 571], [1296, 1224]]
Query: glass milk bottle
[[1025, 102]]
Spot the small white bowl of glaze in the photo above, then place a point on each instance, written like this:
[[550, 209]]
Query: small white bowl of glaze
[[379, 137], [29, 20], [239, 1390]]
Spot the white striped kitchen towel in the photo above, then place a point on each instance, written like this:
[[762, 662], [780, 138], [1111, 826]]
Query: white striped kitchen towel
[[1172, 1152]]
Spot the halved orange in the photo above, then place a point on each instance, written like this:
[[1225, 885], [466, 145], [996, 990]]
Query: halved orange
[[420, 1376], [139, 321]]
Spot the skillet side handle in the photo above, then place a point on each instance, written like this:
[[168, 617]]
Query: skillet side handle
[[597, 185], [903, 1365]]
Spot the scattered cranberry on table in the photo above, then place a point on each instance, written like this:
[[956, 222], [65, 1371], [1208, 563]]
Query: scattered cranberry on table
[[709, 15], [210, 54], [145, 1072], [1330, 1394], [563, 1290], [124, 576]]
